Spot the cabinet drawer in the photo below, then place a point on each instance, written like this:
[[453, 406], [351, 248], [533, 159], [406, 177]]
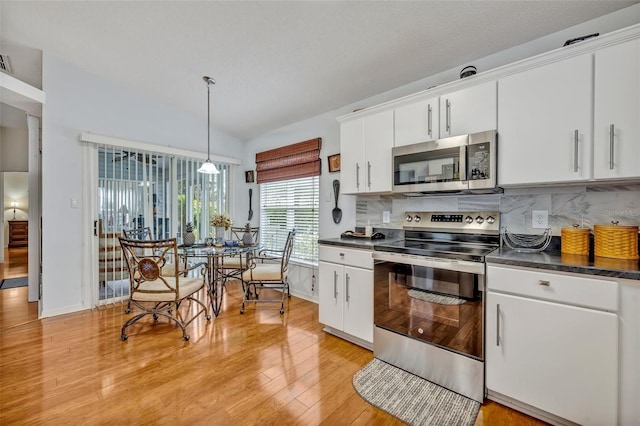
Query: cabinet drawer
[[346, 256], [570, 289]]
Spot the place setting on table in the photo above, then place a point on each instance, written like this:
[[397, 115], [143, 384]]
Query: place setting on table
[[225, 258]]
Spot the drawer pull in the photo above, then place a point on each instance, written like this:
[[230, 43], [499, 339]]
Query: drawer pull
[[341, 254], [544, 283]]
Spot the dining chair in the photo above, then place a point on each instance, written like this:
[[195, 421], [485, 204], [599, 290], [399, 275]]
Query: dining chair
[[268, 271], [137, 233], [232, 267], [156, 292]]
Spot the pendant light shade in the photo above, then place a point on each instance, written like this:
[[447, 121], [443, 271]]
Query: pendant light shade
[[208, 167]]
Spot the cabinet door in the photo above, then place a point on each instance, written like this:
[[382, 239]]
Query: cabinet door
[[378, 141], [417, 122], [558, 358], [358, 303], [469, 110], [352, 165], [330, 294], [539, 112], [617, 108]]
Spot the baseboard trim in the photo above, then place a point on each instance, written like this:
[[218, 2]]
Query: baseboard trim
[[528, 409], [348, 337]]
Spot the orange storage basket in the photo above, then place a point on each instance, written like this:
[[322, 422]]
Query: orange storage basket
[[616, 241], [575, 240]]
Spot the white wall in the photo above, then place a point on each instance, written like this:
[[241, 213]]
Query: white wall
[[326, 126], [14, 149], [77, 102]]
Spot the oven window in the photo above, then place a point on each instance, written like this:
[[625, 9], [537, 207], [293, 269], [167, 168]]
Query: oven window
[[442, 165], [437, 306]]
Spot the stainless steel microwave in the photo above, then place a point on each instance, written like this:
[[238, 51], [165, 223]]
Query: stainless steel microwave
[[455, 164]]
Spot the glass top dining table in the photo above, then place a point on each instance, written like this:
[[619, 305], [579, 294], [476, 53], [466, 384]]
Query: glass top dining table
[[214, 255]]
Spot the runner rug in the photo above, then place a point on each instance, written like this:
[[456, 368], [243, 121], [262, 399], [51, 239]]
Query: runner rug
[[14, 282], [412, 399]]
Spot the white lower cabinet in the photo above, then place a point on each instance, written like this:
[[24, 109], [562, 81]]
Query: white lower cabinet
[[346, 293], [548, 354]]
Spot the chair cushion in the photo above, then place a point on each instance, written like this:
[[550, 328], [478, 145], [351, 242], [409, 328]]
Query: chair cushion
[[187, 286], [233, 262], [264, 272]]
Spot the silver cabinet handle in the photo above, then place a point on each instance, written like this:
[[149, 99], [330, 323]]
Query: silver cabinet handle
[[611, 130], [369, 173], [429, 120], [575, 150], [335, 285], [448, 120], [357, 176], [544, 283], [347, 288], [498, 324]]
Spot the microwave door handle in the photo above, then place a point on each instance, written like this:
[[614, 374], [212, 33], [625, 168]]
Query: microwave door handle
[[463, 163]]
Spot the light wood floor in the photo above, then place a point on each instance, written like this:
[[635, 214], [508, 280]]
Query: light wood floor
[[256, 368]]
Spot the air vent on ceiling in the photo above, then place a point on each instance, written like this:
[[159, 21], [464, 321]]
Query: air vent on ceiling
[[4, 64]]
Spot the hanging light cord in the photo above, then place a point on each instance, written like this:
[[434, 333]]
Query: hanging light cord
[[209, 81]]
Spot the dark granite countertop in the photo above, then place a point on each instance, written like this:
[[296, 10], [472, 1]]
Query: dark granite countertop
[[554, 260], [356, 243]]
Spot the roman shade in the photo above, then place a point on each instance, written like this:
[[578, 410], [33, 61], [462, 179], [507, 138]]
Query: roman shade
[[294, 161]]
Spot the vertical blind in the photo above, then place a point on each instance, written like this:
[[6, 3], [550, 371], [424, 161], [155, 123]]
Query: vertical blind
[[145, 189], [287, 205]]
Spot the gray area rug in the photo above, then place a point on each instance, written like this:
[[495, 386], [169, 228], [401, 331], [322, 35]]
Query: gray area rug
[[435, 298], [413, 399], [14, 282]]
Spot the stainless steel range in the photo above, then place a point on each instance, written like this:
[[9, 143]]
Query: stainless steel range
[[429, 298]]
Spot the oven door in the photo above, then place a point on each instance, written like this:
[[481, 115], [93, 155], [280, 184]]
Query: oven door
[[436, 301], [438, 165]]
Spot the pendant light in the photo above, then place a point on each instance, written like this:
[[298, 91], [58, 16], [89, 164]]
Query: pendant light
[[208, 167]]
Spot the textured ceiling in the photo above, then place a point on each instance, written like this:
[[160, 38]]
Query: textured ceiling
[[275, 63]]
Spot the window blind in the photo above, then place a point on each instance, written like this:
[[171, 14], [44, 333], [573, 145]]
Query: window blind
[[287, 205], [295, 161]]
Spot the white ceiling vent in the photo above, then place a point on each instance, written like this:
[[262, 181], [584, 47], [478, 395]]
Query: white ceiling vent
[[4, 64]]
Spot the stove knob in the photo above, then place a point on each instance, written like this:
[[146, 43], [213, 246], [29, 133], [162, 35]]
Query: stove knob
[[409, 218], [468, 219], [491, 220], [479, 219], [417, 219]]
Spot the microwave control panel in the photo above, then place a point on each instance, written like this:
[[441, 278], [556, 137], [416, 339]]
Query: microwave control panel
[[479, 159]]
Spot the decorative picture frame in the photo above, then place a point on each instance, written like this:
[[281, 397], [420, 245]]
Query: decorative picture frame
[[248, 176], [334, 163]]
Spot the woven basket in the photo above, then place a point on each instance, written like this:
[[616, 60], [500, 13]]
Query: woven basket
[[575, 240], [618, 242]]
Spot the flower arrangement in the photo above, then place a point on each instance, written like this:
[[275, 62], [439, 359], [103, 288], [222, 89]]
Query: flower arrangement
[[221, 219]]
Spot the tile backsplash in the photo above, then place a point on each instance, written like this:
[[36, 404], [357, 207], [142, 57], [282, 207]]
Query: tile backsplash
[[568, 205]]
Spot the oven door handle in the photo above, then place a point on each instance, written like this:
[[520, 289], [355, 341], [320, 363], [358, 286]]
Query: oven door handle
[[429, 262]]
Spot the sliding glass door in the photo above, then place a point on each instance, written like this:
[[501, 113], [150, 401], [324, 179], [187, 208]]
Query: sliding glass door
[[141, 190]]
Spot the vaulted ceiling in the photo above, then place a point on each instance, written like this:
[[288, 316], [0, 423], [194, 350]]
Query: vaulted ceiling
[[275, 62]]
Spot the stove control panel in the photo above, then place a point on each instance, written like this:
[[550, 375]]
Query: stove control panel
[[454, 221]]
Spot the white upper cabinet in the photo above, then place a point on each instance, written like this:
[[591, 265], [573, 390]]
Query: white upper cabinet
[[378, 141], [351, 156], [469, 110], [544, 123], [417, 122], [365, 153], [617, 112]]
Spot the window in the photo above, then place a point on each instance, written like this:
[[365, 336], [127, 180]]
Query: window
[[287, 205]]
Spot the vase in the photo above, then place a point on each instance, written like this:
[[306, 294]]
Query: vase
[[220, 234], [188, 239]]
